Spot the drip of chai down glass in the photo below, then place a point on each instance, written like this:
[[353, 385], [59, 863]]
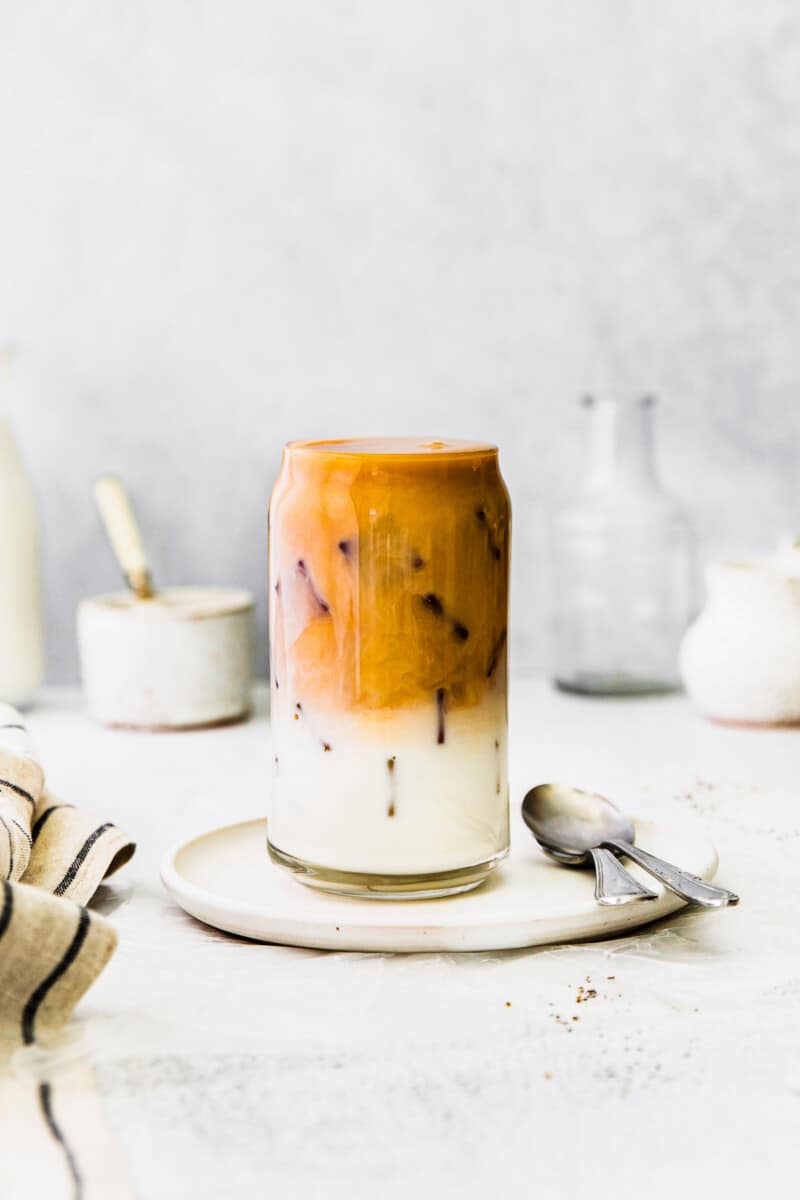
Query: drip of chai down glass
[[389, 565]]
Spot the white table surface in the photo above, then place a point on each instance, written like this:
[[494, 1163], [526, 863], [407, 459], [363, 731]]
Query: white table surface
[[231, 1069]]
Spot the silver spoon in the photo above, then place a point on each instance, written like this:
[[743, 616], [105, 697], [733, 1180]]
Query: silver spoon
[[571, 824], [613, 884]]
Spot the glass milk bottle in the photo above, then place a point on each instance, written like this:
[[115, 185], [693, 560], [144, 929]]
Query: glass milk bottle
[[623, 563], [21, 638]]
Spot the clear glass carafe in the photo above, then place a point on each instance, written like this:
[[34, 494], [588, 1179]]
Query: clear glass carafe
[[623, 563]]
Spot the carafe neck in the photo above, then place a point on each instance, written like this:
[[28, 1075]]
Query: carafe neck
[[620, 444]]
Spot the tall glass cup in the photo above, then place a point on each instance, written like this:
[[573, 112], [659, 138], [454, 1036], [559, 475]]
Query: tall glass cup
[[389, 567]]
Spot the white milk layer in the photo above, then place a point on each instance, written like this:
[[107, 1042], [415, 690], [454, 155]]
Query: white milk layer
[[387, 797]]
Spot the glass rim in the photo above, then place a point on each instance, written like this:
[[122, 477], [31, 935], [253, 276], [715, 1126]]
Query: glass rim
[[394, 447]]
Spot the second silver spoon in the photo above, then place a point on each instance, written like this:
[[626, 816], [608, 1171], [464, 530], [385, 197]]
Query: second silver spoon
[[613, 884], [565, 819]]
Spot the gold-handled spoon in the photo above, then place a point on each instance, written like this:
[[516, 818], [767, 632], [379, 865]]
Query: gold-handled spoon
[[119, 521]]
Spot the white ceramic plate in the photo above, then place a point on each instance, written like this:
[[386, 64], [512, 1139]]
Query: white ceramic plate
[[225, 879]]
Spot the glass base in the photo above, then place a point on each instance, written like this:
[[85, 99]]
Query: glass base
[[367, 886], [616, 685]]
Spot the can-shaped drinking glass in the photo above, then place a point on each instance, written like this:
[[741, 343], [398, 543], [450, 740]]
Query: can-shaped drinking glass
[[389, 563]]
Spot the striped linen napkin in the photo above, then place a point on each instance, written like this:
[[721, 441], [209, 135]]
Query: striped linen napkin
[[53, 856]]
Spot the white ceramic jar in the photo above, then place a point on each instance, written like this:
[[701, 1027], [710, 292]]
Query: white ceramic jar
[[180, 660], [740, 660]]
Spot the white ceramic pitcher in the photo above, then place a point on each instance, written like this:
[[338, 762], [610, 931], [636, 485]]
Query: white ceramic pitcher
[[740, 660]]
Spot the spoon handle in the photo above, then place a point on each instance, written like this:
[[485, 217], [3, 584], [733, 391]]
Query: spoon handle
[[615, 885], [695, 890], [123, 533]]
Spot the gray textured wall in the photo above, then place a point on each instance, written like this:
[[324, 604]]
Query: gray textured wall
[[226, 224]]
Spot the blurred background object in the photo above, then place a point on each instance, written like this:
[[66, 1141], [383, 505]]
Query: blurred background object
[[623, 554], [173, 658], [740, 660], [225, 226], [21, 634]]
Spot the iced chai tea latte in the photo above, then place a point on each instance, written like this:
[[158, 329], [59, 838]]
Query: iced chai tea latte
[[388, 623]]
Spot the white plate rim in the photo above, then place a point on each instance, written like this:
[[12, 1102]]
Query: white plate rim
[[239, 917]]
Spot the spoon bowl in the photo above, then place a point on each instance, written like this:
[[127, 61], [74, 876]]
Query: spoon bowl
[[562, 819], [571, 821]]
